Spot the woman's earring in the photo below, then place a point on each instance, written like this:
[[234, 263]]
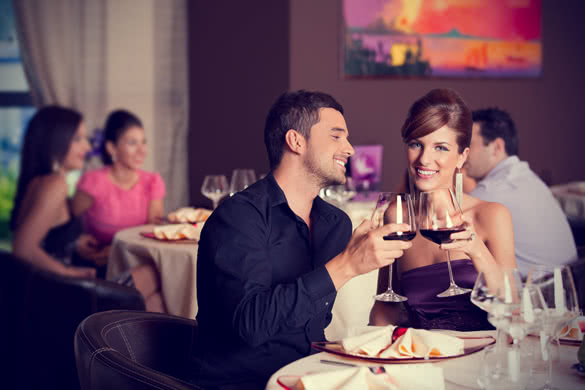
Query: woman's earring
[[459, 187], [56, 166]]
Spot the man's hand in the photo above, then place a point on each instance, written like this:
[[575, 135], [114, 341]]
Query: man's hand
[[366, 251]]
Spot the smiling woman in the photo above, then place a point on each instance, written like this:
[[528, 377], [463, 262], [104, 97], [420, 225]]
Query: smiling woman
[[437, 132]]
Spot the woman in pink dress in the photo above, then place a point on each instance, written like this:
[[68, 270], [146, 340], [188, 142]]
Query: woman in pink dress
[[121, 194]]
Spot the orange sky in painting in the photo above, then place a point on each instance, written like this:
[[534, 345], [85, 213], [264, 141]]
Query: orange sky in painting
[[487, 19], [496, 19]]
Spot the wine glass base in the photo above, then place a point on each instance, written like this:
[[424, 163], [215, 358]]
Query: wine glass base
[[453, 291], [390, 296]]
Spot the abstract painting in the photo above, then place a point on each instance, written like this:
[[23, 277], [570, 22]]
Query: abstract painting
[[442, 38]]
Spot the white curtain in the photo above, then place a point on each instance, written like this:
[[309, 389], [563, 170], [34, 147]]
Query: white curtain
[[171, 98], [63, 52], [97, 55]]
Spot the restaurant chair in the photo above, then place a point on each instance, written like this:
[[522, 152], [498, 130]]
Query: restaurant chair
[[40, 313], [134, 350]]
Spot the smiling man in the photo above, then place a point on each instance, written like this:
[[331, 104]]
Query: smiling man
[[272, 257]]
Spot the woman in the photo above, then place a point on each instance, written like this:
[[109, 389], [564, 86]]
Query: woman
[[46, 232], [437, 132], [120, 194]]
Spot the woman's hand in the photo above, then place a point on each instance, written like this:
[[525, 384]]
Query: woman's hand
[[90, 249], [466, 241], [81, 272]]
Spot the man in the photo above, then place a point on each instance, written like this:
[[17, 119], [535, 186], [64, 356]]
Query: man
[[272, 257], [541, 231]]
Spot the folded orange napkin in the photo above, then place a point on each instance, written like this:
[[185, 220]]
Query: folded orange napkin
[[177, 232], [376, 341], [573, 330], [189, 215], [396, 377]]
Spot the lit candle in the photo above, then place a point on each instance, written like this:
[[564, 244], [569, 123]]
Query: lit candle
[[398, 209], [507, 289], [527, 306], [514, 364], [559, 291], [449, 222]]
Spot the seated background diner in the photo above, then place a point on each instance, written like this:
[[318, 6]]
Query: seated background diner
[[437, 134], [46, 232], [121, 195], [541, 237]]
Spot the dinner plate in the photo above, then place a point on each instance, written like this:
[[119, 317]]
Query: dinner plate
[[181, 241], [470, 345]]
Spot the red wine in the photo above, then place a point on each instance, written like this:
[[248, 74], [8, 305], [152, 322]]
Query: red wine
[[440, 236], [405, 236]]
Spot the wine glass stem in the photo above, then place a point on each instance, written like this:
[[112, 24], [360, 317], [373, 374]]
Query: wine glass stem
[[215, 203], [451, 281], [390, 277]]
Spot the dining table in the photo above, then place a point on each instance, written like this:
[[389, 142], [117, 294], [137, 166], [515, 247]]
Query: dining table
[[459, 373], [175, 261]]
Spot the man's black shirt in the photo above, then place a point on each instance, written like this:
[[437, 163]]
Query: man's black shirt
[[262, 288]]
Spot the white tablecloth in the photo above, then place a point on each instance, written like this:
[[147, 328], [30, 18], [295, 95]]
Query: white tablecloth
[[355, 299], [176, 263], [459, 373]]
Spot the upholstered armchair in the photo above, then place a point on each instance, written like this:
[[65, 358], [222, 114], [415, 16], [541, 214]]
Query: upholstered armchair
[[134, 350], [40, 313]]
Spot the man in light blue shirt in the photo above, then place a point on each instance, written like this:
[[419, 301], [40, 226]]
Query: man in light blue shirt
[[542, 234]]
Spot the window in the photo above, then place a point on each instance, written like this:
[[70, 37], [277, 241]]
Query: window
[[15, 111]]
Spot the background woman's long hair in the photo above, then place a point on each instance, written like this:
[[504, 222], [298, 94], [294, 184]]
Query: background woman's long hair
[[46, 142]]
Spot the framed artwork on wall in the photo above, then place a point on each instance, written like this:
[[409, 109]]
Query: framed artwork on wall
[[441, 38]]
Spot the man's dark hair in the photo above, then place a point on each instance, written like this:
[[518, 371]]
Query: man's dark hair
[[496, 123], [298, 110]]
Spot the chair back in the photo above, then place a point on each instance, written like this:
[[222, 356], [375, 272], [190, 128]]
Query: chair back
[[41, 311], [134, 350]]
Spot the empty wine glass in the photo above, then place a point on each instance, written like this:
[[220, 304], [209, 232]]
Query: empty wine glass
[[396, 208], [241, 179], [561, 306], [439, 217], [215, 187]]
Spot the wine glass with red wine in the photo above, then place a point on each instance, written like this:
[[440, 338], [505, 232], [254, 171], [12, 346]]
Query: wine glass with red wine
[[440, 216], [397, 208]]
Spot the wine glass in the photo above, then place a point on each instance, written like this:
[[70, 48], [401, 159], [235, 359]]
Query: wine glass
[[241, 179], [561, 306], [215, 187], [500, 294], [397, 208], [439, 217]]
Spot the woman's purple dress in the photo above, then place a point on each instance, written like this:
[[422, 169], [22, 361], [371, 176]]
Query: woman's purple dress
[[427, 311]]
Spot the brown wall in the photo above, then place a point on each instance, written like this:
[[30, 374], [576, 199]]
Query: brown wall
[[243, 56], [239, 64], [548, 111]]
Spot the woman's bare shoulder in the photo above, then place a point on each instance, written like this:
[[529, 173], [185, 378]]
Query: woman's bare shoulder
[[49, 187], [488, 212]]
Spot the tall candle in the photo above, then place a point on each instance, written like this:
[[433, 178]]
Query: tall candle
[[398, 209], [507, 289], [527, 306], [559, 291], [449, 222]]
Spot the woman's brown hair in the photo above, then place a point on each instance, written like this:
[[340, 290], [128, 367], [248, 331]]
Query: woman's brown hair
[[438, 108]]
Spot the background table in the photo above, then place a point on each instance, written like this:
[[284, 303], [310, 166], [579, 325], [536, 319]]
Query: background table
[[176, 263], [459, 373]]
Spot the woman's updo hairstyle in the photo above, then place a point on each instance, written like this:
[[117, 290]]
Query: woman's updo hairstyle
[[438, 108]]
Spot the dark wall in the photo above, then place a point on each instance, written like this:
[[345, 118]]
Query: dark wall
[[239, 64], [548, 110]]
